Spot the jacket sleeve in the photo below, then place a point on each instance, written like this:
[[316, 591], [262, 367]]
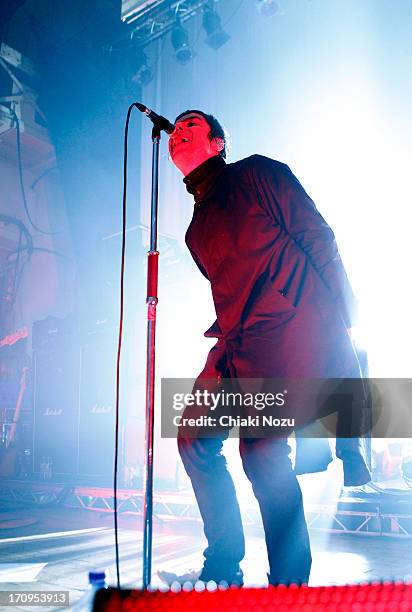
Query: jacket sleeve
[[284, 198], [214, 330], [199, 264]]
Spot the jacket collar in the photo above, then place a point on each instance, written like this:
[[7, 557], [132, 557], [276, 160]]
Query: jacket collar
[[201, 181]]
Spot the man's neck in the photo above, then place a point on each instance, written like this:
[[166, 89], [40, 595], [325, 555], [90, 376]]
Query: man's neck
[[187, 166], [202, 179]]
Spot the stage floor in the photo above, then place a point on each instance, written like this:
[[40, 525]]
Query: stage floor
[[53, 548]]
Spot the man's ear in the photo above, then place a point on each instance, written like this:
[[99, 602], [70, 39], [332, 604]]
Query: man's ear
[[219, 143]]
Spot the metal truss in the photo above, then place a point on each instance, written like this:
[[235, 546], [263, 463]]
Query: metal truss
[[32, 493], [151, 20], [101, 500], [358, 522], [166, 506], [182, 506]]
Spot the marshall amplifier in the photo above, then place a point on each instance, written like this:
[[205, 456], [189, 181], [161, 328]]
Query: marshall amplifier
[[52, 332], [56, 410], [97, 409]]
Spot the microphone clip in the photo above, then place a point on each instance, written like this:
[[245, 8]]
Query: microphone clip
[[159, 123]]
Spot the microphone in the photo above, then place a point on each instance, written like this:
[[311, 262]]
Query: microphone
[[158, 120]]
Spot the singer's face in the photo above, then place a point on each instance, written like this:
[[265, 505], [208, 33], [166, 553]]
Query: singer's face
[[190, 145]]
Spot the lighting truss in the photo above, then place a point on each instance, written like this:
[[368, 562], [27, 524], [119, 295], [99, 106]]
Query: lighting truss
[[151, 19], [375, 519]]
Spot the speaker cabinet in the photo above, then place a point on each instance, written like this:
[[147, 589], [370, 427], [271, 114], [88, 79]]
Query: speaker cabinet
[[97, 411], [56, 410]]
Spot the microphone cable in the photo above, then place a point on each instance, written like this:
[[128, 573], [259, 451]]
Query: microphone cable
[[119, 343]]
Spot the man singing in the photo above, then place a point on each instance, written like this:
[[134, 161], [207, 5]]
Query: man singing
[[284, 307]]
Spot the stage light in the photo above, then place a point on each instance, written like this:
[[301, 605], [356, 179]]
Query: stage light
[[267, 7], [180, 43], [144, 73], [216, 36]]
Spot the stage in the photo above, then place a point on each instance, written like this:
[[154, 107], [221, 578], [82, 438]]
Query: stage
[[47, 544]]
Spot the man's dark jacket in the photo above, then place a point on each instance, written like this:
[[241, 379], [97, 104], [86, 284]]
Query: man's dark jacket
[[282, 298]]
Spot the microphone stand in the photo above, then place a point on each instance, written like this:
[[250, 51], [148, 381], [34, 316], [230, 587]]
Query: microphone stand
[[151, 301]]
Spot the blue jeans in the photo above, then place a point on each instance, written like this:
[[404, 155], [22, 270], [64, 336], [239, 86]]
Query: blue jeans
[[268, 467]]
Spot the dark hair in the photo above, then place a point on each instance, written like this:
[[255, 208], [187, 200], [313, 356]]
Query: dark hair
[[216, 129]]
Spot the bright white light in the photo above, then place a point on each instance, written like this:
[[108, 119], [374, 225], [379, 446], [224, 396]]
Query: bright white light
[[56, 534], [20, 572], [356, 169], [341, 568]]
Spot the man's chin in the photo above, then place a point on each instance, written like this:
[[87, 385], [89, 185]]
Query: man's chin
[[177, 155]]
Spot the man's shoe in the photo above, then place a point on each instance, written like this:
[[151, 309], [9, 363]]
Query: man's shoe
[[232, 578], [169, 577], [204, 575]]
